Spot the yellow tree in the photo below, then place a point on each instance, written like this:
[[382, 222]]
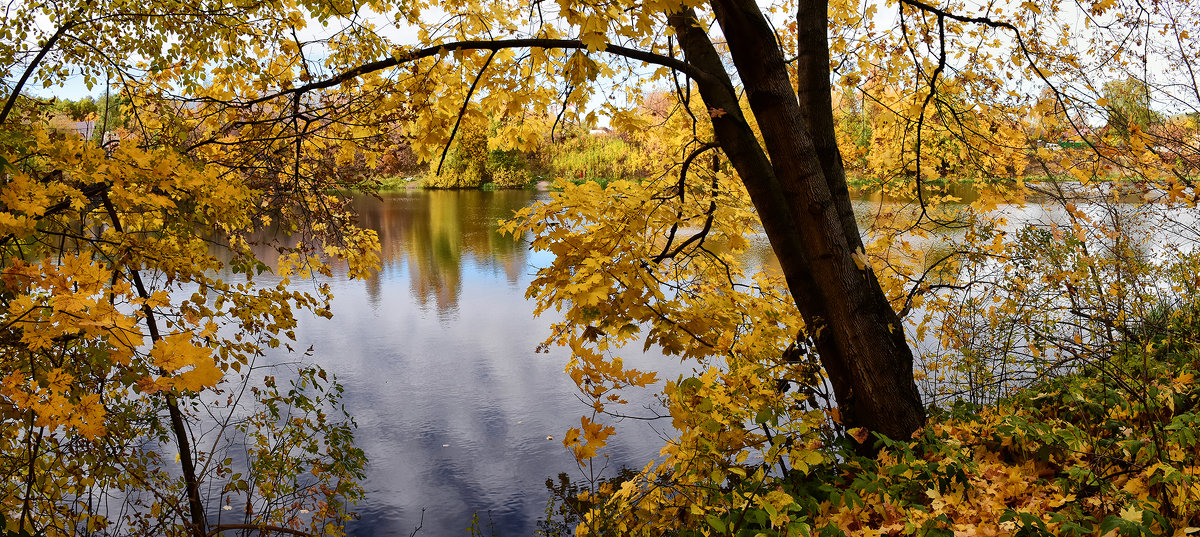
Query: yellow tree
[[132, 312], [753, 85], [782, 143]]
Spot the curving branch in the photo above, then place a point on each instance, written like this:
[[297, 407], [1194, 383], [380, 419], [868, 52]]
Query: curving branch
[[986, 21], [32, 68], [933, 83], [687, 162], [463, 110], [261, 528], [1029, 56], [712, 207], [492, 45]]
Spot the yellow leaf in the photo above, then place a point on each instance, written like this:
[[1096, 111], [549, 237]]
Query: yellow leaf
[[1132, 514], [859, 434], [860, 259], [177, 351], [204, 374], [594, 438], [594, 41]]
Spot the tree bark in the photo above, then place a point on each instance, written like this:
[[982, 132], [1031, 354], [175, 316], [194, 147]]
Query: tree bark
[[815, 99], [799, 190]]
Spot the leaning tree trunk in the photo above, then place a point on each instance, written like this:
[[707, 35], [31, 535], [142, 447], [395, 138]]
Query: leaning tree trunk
[[799, 190]]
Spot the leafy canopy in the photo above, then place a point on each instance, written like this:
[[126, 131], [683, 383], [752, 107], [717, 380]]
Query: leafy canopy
[[116, 307]]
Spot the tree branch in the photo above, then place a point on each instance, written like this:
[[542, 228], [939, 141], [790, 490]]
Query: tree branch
[[987, 21], [16, 92], [191, 483], [687, 162], [463, 110], [492, 45], [262, 529]]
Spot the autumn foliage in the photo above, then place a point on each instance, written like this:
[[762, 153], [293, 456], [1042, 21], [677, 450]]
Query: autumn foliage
[[135, 321], [1053, 323], [128, 299], [1061, 379]]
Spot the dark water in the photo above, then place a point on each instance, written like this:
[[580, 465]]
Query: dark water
[[437, 353]]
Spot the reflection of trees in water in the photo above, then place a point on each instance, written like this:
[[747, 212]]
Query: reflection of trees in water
[[435, 232]]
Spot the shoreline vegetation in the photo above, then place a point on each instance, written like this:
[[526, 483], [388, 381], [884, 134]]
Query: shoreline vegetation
[[603, 156], [1105, 450], [393, 183], [482, 157]]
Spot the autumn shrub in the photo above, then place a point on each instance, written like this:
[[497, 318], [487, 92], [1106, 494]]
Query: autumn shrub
[[601, 158], [471, 164], [507, 168], [468, 177], [477, 175], [510, 178], [1090, 453], [464, 164], [1069, 286], [1082, 425]]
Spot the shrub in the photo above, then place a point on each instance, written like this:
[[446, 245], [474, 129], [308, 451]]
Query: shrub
[[1109, 450], [510, 178], [600, 158], [469, 177]]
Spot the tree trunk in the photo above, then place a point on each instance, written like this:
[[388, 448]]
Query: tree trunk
[[799, 190]]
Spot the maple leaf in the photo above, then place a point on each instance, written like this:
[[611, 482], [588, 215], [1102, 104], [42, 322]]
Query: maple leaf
[[588, 439], [571, 439], [594, 41], [177, 351], [204, 374]]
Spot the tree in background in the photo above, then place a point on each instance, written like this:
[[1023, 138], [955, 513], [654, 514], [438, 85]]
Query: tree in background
[[1127, 106]]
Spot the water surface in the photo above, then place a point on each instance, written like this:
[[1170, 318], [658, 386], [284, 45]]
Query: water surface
[[437, 353], [457, 412]]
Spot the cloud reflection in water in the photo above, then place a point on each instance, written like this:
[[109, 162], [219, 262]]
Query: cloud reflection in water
[[436, 352]]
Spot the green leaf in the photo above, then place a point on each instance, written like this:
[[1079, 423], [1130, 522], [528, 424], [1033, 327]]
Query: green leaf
[[715, 522], [764, 416]]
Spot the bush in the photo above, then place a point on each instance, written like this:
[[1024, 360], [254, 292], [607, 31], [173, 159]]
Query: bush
[[599, 158], [510, 178], [1109, 450], [472, 165], [468, 177]]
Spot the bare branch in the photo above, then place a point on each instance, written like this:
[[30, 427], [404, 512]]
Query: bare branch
[[37, 60], [261, 528]]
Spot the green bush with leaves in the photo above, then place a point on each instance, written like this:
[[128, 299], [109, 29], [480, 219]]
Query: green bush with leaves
[[470, 164]]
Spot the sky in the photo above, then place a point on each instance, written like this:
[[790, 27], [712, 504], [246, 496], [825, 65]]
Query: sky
[[74, 88]]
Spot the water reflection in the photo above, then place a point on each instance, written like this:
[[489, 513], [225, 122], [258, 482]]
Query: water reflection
[[433, 234], [436, 351], [437, 354]]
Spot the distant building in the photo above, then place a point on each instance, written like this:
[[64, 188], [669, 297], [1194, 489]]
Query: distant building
[[83, 128]]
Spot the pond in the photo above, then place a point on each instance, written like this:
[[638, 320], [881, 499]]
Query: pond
[[457, 412]]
